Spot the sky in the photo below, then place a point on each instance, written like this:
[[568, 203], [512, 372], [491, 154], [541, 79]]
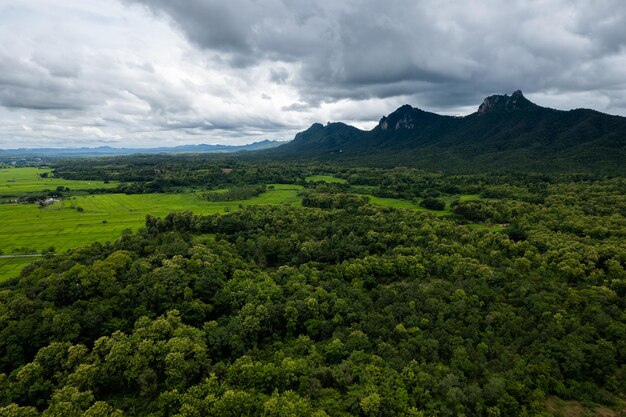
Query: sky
[[142, 73]]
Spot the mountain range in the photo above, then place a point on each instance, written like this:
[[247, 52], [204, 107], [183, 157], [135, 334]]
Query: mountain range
[[108, 150], [505, 133]]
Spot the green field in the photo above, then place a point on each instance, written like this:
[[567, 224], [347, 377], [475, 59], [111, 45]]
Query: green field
[[325, 178], [11, 267], [105, 216], [16, 181], [393, 202], [469, 197]]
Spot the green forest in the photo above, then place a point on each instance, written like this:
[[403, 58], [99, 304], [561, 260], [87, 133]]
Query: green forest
[[500, 294]]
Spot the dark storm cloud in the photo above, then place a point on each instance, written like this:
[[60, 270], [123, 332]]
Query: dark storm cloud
[[148, 71], [439, 51], [216, 23]]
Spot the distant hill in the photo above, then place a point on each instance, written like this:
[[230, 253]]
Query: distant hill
[[108, 150], [505, 133]]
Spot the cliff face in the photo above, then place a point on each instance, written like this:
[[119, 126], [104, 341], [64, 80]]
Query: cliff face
[[402, 118], [505, 103], [406, 118]]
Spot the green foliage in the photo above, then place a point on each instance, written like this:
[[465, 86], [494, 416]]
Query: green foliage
[[238, 193], [432, 203], [349, 309], [333, 201]]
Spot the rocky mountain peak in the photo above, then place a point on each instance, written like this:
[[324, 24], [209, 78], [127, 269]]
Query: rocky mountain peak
[[504, 103], [404, 117]]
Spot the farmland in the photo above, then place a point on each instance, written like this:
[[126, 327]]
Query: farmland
[[30, 229], [16, 181], [11, 267], [83, 219], [104, 217]]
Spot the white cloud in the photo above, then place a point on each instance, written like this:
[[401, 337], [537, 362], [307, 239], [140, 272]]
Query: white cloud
[[155, 72]]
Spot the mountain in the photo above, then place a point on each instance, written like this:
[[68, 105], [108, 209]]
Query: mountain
[[505, 133], [108, 150]]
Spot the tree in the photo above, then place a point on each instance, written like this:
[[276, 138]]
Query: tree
[[433, 203]]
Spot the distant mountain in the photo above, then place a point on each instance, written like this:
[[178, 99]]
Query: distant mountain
[[505, 133], [108, 150]]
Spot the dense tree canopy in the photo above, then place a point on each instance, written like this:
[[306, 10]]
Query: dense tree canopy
[[337, 308]]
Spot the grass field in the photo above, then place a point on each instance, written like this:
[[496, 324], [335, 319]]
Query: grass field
[[27, 228], [16, 181], [325, 178], [393, 202], [469, 197], [11, 267], [105, 216]]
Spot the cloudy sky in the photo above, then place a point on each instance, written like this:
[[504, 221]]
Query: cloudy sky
[[166, 72]]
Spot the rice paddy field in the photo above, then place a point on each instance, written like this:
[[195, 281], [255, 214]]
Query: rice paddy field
[[17, 181], [105, 216], [11, 267]]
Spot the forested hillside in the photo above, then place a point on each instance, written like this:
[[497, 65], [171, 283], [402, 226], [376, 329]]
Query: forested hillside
[[351, 309], [507, 133]]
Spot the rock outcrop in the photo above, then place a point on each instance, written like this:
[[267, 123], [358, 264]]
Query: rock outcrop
[[404, 117], [504, 103]]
